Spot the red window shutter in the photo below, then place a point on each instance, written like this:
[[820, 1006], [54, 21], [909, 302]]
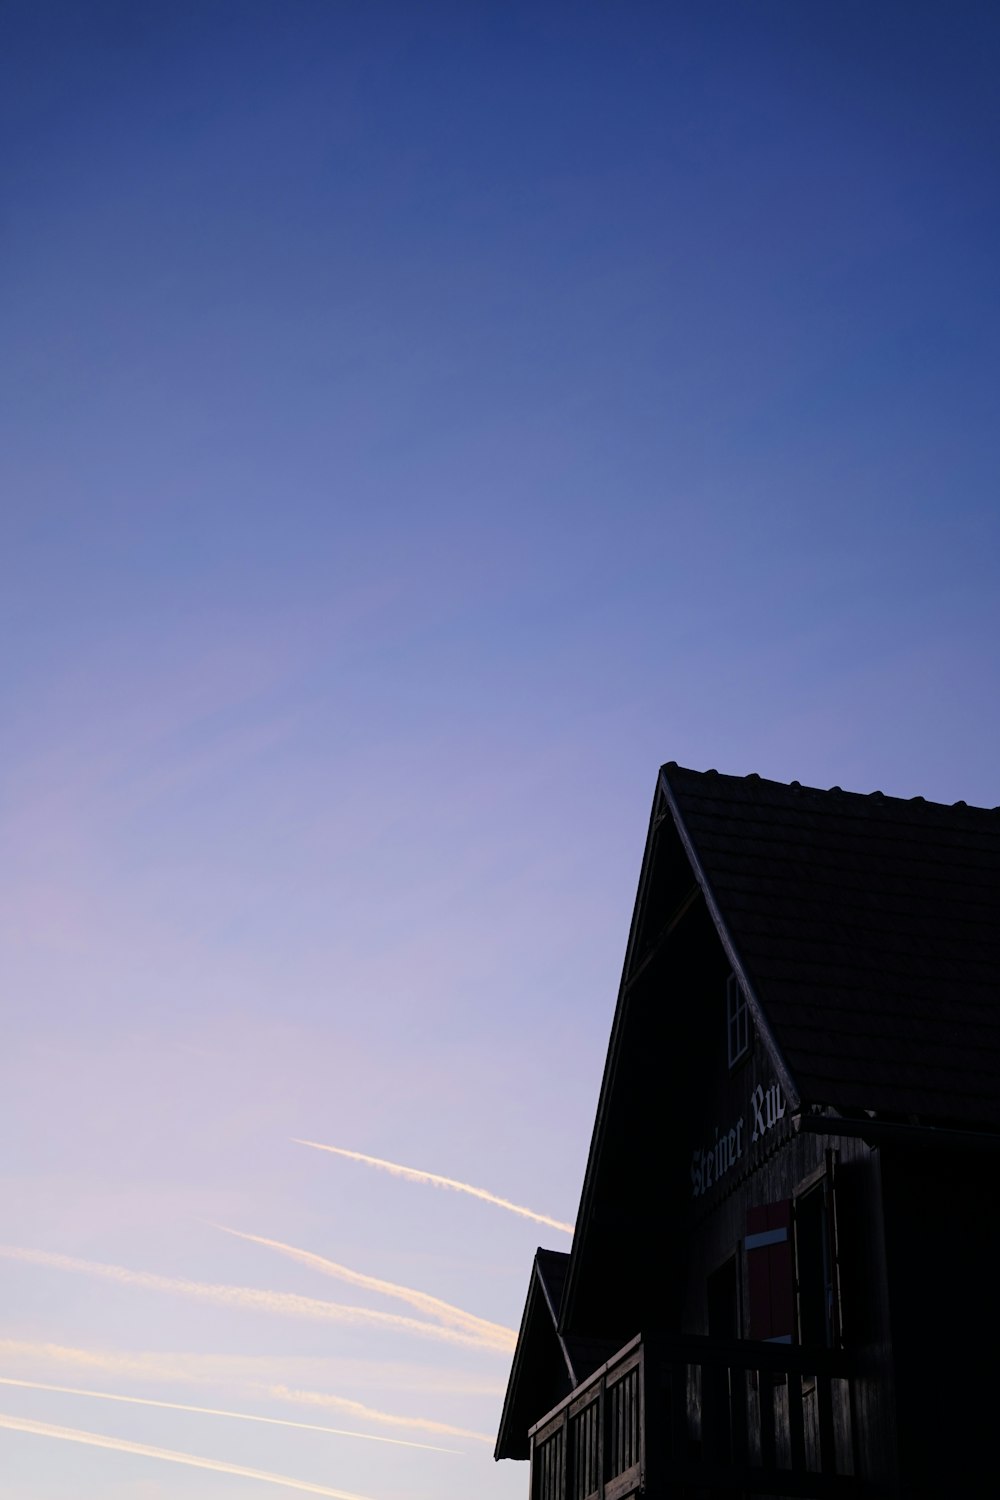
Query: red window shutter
[[768, 1245], [758, 1277]]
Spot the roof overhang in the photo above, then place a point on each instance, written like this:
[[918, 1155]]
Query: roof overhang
[[541, 1371]]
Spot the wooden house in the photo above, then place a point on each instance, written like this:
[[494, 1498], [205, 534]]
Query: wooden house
[[783, 1279]]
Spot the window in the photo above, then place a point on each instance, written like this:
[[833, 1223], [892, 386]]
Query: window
[[737, 1020], [791, 1259], [816, 1267], [724, 1301]]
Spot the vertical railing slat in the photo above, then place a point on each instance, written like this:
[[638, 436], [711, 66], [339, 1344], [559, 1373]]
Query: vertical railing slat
[[796, 1427], [738, 1386], [678, 1426], [827, 1446], [766, 1389]]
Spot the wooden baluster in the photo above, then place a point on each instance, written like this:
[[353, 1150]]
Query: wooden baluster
[[796, 1428], [595, 1447], [633, 1390], [827, 1445], [766, 1389], [634, 1456], [609, 1434], [709, 1405], [623, 1451], [585, 1484], [619, 1426], [679, 1413], [738, 1382], [640, 1417]]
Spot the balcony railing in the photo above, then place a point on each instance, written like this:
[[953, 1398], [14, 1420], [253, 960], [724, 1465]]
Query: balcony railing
[[693, 1416]]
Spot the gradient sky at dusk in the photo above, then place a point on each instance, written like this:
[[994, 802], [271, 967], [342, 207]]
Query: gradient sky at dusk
[[417, 422]]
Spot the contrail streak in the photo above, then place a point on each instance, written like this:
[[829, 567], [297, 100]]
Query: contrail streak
[[246, 1371], [211, 1411], [434, 1180], [493, 1335], [290, 1304], [158, 1367], [169, 1455], [355, 1408]]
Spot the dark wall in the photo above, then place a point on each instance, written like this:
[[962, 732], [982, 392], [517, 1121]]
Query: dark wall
[[941, 1214], [631, 1271], [718, 1227]]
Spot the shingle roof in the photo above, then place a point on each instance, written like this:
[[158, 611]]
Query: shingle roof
[[869, 930]]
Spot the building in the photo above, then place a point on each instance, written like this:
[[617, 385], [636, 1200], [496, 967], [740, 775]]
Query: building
[[784, 1274]]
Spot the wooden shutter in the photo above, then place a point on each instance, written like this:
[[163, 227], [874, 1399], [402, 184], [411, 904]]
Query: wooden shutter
[[770, 1282]]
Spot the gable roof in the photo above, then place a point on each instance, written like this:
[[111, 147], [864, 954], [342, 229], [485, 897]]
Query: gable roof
[[546, 1366], [540, 1372], [865, 931], [867, 928]]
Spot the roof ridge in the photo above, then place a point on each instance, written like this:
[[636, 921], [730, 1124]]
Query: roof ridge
[[755, 778]]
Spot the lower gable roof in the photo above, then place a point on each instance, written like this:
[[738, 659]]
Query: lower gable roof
[[546, 1366], [540, 1372]]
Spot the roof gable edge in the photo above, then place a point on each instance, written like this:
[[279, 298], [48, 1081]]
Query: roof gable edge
[[538, 1295], [610, 1063], [767, 1036]]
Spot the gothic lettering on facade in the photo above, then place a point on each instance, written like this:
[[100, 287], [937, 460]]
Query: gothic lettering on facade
[[768, 1107], [709, 1164]]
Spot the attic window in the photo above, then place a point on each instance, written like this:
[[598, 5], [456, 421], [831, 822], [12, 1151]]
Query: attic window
[[737, 1021]]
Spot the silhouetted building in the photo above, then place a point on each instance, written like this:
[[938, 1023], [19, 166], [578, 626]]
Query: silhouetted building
[[784, 1275]]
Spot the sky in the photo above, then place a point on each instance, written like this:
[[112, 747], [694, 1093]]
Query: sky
[[417, 423]]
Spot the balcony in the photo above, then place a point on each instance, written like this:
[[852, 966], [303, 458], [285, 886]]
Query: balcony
[[695, 1416]]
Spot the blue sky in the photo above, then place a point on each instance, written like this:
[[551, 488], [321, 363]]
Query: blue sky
[[417, 422]]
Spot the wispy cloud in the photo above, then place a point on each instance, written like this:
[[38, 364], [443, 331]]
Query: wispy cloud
[[250, 1372], [169, 1455], [211, 1411], [287, 1304], [355, 1408], [492, 1335], [433, 1179]]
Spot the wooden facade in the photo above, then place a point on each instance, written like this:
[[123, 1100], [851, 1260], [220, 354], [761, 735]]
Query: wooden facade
[[783, 1276]]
